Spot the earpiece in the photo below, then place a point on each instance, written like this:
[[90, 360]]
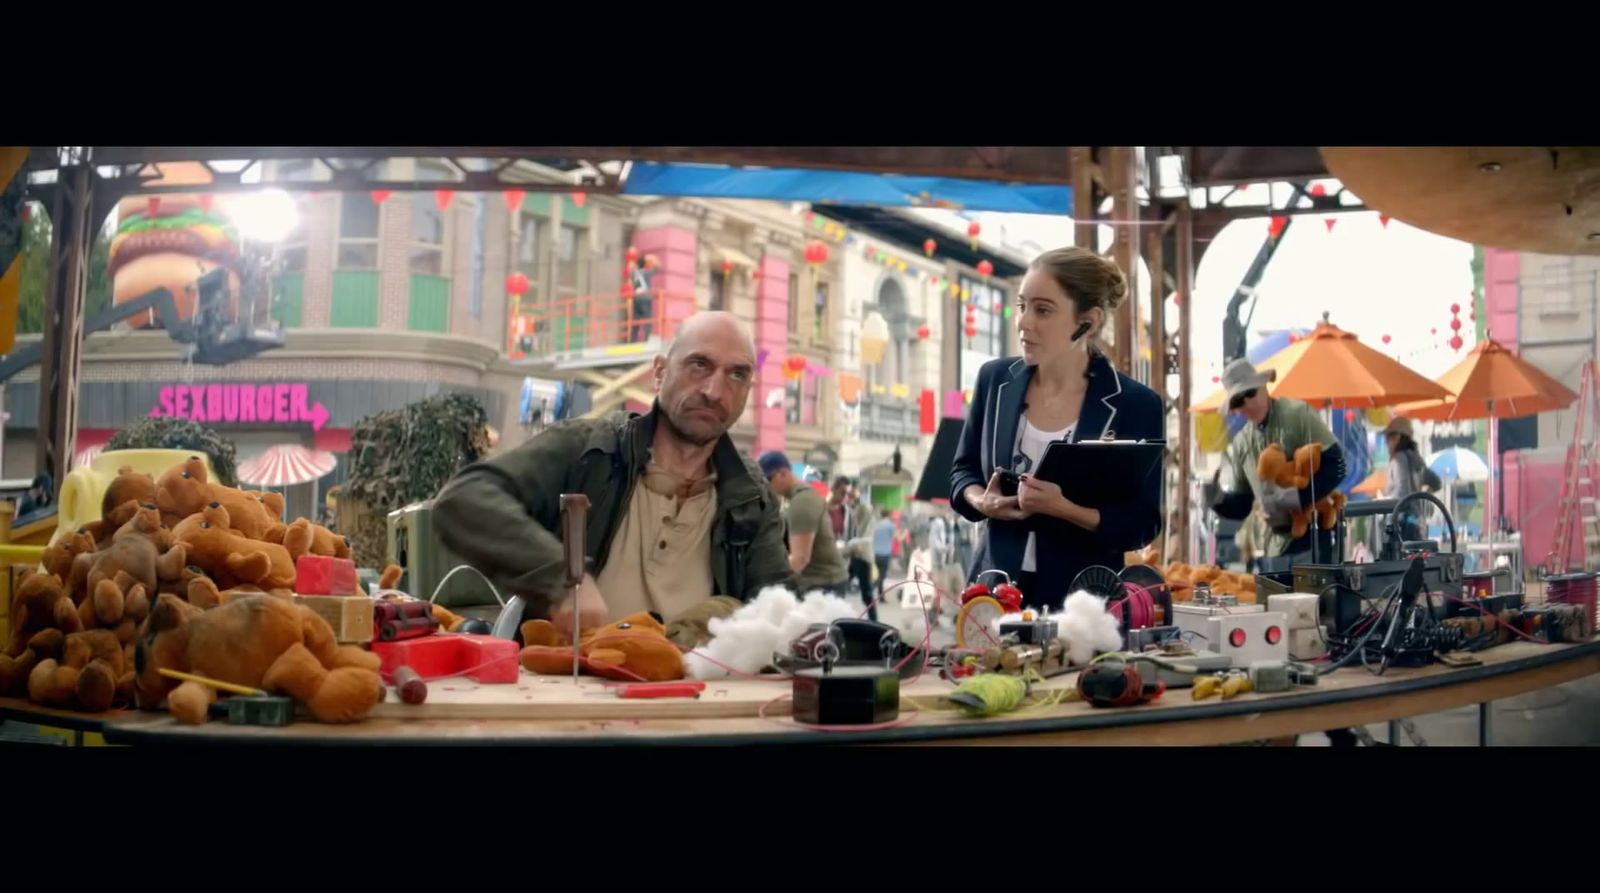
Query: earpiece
[[1083, 329]]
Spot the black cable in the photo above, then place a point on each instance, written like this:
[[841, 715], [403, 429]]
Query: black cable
[[1360, 646]]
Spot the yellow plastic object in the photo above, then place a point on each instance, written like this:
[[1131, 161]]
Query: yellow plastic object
[[84, 488]]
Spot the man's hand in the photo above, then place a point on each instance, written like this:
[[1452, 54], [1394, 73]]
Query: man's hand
[[1278, 504], [590, 608]]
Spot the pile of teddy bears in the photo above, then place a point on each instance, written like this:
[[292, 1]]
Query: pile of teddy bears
[[1183, 578], [188, 575]]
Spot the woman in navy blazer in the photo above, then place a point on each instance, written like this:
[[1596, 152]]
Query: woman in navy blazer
[[1062, 388]]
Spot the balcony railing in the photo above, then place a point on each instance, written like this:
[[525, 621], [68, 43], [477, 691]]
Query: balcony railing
[[573, 325], [890, 418]]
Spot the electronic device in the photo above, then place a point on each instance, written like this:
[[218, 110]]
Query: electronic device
[[1267, 676], [840, 696], [1308, 644], [415, 545], [1192, 618], [1009, 482], [1300, 607], [848, 643], [1346, 591], [1152, 636], [1029, 632], [1249, 637]]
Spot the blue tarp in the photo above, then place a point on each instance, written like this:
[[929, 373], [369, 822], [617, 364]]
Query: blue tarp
[[846, 188]]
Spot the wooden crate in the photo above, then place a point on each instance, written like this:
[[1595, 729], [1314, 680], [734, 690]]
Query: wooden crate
[[349, 615]]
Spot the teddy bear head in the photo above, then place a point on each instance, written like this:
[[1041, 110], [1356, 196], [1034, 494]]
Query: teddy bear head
[[641, 639], [58, 557], [127, 486], [182, 489], [145, 521], [162, 642], [1274, 466]]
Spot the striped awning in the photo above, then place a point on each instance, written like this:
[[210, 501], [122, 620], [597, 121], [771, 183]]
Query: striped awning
[[86, 457], [286, 465]]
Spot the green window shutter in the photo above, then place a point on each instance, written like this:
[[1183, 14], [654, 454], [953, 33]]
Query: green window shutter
[[430, 304], [289, 306], [355, 299]]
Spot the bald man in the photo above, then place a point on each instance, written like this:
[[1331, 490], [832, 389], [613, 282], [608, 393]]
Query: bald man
[[678, 516]]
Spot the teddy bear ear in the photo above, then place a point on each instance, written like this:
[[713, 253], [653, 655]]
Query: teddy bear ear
[[169, 612]]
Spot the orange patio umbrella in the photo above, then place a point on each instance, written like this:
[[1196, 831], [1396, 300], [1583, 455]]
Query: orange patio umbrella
[[1492, 383], [1330, 367], [1374, 483]]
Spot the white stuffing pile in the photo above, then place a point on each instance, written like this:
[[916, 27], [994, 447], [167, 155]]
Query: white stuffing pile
[[747, 639]]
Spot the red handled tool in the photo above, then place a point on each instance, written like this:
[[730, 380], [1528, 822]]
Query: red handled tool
[[656, 690]]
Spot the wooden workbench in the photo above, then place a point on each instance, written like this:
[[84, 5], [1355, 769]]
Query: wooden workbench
[[1347, 698]]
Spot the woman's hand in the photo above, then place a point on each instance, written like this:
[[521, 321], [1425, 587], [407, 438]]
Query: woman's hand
[[996, 505], [1038, 497]]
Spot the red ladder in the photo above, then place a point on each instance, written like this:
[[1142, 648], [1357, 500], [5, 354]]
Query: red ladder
[[1580, 498]]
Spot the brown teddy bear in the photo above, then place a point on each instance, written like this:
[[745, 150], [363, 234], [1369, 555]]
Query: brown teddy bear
[[258, 641], [46, 644], [1308, 461], [230, 558], [40, 602], [273, 501], [120, 576], [1275, 467], [635, 647], [202, 592], [183, 491], [90, 675], [305, 538]]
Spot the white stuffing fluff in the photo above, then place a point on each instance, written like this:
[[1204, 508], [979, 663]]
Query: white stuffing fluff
[[747, 639], [1087, 627]]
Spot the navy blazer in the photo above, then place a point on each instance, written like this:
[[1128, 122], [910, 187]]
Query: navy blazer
[[1115, 406]]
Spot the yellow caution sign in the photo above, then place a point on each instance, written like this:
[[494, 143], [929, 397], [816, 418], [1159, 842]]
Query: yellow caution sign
[[12, 180]]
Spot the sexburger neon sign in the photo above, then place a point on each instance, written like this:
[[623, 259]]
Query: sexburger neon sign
[[281, 404]]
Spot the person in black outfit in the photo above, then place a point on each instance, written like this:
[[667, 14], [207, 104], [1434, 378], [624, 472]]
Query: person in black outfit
[[1062, 387]]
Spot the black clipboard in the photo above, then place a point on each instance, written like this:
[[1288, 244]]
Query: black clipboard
[[1094, 473]]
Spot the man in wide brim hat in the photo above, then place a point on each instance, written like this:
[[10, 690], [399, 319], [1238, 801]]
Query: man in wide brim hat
[[1291, 424]]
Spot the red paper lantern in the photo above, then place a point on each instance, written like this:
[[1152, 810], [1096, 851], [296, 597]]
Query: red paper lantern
[[206, 201], [1455, 325], [513, 199], [632, 254], [923, 332], [985, 269], [972, 331], [1386, 339], [795, 366], [152, 205], [578, 198], [727, 267], [379, 196], [1275, 227], [973, 229], [1455, 308], [1349, 415], [1456, 342], [517, 284], [928, 246], [816, 252]]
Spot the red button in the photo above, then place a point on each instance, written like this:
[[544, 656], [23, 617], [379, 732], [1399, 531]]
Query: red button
[[1236, 638], [1273, 635]]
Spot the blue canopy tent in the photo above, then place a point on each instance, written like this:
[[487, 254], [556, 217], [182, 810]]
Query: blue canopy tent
[[846, 188]]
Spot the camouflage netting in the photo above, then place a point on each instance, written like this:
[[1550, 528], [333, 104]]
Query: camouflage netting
[[181, 434], [403, 456]]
